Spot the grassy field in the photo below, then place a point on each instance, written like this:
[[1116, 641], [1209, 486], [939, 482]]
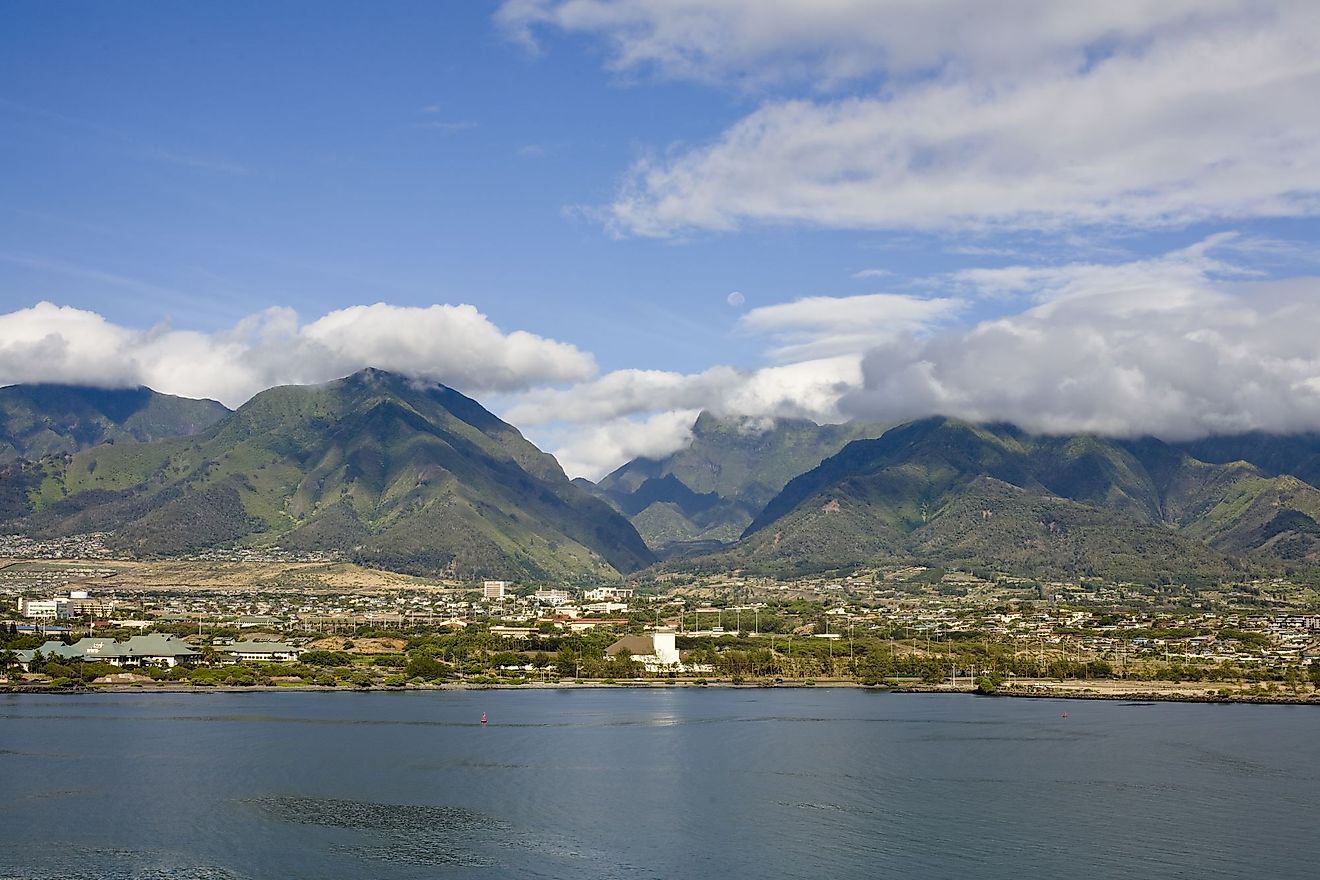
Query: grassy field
[[337, 577]]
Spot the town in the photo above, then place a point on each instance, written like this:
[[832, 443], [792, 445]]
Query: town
[[264, 622]]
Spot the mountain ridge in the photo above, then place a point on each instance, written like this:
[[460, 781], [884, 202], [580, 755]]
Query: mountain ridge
[[395, 473], [50, 419], [941, 490], [713, 487]]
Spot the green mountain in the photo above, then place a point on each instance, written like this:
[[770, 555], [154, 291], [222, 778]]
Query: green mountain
[[708, 492], [947, 492], [397, 474], [1294, 454], [38, 420]]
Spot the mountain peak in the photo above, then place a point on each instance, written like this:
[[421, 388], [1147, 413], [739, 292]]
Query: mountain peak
[[379, 467]]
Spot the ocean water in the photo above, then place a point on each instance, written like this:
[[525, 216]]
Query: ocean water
[[652, 784]]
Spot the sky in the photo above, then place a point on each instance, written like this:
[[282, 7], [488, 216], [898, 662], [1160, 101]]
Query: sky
[[599, 217]]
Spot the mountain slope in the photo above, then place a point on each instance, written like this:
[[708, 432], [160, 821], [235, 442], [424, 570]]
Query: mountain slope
[[946, 491], [1296, 455], [38, 420], [710, 490], [400, 475]]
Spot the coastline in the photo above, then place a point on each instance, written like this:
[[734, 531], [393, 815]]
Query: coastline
[[1036, 691]]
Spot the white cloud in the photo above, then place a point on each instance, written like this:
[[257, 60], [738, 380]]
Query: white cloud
[[808, 389], [454, 344], [596, 426], [830, 41], [1167, 346], [1027, 115], [596, 449], [818, 326]]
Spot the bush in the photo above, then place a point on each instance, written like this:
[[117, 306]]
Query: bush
[[326, 658], [426, 667]]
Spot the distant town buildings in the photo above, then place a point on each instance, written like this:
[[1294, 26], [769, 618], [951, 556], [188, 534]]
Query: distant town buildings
[[494, 591]]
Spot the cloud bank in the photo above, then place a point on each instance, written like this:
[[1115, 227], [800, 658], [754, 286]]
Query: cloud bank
[[453, 344], [1027, 115], [1179, 346]]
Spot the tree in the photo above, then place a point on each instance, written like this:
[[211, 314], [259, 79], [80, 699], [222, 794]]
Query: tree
[[426, 667]]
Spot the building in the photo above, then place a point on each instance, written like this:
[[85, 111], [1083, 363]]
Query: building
[[253, 621], [605, 607], [42, 609], [264, 652], [582, 624], [608, 594], [494, 591], [77, 604], [552, 597], [513, 632], [83, 604], [657, 650], [154, 649]]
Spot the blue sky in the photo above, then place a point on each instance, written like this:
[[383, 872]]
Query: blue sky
[[928, 208]]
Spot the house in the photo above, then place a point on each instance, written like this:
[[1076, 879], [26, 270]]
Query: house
[[154, 649], [264, 652], [656, 650]]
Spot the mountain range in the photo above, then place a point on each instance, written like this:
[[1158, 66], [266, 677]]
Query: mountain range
[[708, 492], [394, 473], [416, 477], [944, 491]]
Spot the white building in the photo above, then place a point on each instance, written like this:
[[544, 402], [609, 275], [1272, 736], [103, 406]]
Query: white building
[[266, 652], [77, 604], [494, 590], [657, 650], [47, 609], [608, 594], [605, 607], [552, 597]]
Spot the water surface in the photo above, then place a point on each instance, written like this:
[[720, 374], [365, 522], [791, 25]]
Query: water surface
[[681, 783]]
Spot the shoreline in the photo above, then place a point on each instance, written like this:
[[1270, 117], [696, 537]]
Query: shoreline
[[1038, 691]]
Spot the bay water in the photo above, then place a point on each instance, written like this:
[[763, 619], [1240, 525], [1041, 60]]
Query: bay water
[[652, 783]]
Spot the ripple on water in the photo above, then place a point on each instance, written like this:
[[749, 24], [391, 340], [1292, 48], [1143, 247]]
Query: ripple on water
[[414, 834], [118, 864]]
